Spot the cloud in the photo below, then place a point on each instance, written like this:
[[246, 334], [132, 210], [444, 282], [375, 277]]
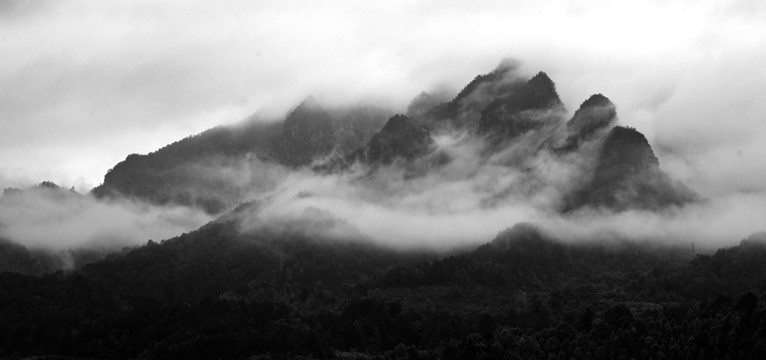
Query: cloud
[[85, 83], [59, 219], [470, 200], [129, 77]]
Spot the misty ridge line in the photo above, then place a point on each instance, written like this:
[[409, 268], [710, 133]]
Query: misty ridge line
[[451, 172]]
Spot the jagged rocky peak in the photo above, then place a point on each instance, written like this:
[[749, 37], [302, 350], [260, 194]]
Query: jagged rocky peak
[[594, 114], [400, 138], [596, 100], [628, 176], [627, 152], [307, 134], [399, 124], [535, 105], [540, 93], [501, 72]]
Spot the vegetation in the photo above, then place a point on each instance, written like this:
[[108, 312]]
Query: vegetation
[[220, 293]]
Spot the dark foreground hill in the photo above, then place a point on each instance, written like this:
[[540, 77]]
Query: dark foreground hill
[[221, 293]]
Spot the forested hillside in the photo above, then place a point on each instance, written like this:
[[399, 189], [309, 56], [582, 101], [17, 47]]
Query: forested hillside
[[220, 293]]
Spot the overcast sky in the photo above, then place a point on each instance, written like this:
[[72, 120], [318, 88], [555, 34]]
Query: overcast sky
[[85, 83]]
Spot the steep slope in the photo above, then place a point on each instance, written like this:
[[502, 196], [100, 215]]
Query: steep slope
[[188, 172], [595, 115], [307, 134], [537, 105], [400, 140], [356, 126], [628, 176], [464, 111], [515, 119], [215, 169]]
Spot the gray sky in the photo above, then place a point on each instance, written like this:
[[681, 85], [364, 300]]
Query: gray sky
[[85, 83]]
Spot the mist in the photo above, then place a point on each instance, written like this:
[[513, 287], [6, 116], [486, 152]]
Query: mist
[[103, 75], [87, 81], [56, 219], [471, 199]]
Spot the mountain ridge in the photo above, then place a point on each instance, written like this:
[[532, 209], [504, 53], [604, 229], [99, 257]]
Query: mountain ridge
[[501, 108]]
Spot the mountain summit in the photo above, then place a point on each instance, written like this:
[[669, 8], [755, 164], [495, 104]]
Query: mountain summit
[[628, 175], [399, 139], [307, 134], [516, 120], [526, 109]]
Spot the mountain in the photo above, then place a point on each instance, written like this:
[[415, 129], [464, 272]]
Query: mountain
[[628, 176], [356, 126], [216, 169], [307, 134], [464, 110], [188, 172], [526, 110], [518, 119], [399, 139], [595, 115]]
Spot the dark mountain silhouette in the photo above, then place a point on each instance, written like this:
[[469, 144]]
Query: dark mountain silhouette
[[513, 115], [464, 110], [188, 172], [502, 107], [356, 126], [307, 134], [628, 175], [595, 115], [400, 140]]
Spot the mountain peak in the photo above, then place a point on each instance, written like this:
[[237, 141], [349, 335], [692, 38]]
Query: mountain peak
[[307, 134], [507, 117], [628, 176], [596, 113], [629, 150], [399, 138], [541, 78], [398, 124], [596, 100], [541, 92]]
